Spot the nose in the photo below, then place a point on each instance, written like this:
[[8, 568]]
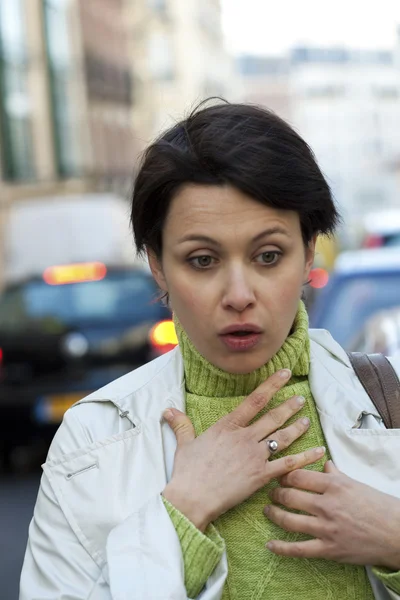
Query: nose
[[238, 292]]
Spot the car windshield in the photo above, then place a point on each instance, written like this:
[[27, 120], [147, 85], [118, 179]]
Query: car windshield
[[122, 297], [350, 301]]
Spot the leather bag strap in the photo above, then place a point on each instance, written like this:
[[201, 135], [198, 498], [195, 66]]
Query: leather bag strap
[[381, 383]]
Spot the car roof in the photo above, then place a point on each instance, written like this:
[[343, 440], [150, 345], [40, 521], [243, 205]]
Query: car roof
[[111, 270], [365, 261]]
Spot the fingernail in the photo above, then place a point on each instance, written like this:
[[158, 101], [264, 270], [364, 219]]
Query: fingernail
[[168, 414], [320, 450], [270, 546], [301, 400], [266, 509], [305, 421], [285, 373]]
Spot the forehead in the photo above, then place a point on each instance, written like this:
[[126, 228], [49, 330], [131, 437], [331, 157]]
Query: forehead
[[197, 207]]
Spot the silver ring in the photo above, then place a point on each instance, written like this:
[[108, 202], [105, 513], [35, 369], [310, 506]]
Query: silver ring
[[272, 446]]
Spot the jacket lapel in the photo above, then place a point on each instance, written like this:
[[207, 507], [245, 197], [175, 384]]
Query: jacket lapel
[[358, 442]]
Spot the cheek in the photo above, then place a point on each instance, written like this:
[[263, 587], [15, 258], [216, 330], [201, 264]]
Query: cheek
[[289, 287], [283, 297], [187, 301]]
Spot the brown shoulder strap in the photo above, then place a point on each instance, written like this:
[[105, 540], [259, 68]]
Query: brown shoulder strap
[[381, 383]]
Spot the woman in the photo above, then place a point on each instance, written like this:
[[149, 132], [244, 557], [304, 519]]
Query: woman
[[186, 478]]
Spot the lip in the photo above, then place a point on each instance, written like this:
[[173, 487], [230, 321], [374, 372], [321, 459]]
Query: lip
[[241, 344], [241, 327]]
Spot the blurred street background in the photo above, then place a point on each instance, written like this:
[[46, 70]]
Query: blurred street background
[[85, 85]]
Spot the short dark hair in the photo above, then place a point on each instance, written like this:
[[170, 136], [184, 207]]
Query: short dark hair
[[242, 145]]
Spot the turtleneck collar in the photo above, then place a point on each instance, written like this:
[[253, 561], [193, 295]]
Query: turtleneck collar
[[204, 379]]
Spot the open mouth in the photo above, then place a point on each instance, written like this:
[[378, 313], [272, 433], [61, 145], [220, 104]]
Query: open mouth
[[241, 333], [241, 340]]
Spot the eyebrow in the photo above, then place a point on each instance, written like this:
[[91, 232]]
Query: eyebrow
[[208, 240]]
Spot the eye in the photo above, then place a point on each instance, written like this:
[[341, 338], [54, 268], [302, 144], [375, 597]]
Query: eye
[[269, 258], [201, 262]]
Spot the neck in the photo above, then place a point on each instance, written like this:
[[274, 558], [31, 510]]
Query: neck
[[205, 379]]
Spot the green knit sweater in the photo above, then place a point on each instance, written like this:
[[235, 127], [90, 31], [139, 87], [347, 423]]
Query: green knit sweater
[[253, 572]]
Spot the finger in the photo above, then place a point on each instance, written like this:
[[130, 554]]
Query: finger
[[257, 400], [275, 418], [181, 425], [288, 435], [281, 466], [296, 499], [311, 481], [308, 549], [329, 467], [292, 522]]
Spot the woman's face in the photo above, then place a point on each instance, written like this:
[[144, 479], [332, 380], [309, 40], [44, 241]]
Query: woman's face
[[234, 271]]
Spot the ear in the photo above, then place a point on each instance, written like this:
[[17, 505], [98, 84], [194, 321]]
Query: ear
[[310, 255], [156, 270]]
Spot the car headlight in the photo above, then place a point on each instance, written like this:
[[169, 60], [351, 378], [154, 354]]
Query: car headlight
[[75, 345]]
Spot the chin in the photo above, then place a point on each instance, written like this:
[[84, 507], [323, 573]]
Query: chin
[[241, 364]]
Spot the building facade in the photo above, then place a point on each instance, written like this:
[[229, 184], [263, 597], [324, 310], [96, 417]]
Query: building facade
[[346, 104], [265, 81], [66, 99], [180, 60], [109, 91], [66, 95]]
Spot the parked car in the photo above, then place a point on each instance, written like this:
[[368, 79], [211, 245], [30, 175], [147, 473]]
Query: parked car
[[380, 333], [60, 230], [67, 333], [381, 228], [363, 283]]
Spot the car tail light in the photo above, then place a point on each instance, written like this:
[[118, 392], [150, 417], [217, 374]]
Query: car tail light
[[163, 336], [319, 278], [373, 241]]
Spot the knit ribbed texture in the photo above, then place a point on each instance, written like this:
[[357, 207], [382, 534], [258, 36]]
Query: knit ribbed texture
[[389, 578], [203, 378], [254, 572]]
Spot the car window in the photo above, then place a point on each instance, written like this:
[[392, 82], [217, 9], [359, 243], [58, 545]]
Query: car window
[[350, 301], [121, 297], [12, 310], [393, 240]]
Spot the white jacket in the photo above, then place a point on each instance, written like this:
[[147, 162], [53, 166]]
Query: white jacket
[[100, 530]]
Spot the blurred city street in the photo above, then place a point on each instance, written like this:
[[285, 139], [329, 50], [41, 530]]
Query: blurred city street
[[17, 498], [85, 85]]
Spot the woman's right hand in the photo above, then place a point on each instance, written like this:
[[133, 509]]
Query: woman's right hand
[[229, 462]]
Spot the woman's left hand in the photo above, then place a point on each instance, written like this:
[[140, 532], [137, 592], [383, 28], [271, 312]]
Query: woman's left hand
[[349, 521]]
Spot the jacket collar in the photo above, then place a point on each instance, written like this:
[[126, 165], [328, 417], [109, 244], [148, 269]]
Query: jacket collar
[[337, 391], [324, 339], [148, 391]]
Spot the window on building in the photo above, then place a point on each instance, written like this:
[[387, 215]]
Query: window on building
[[61, 77], [326, 91], [160, 56], [15, 104]]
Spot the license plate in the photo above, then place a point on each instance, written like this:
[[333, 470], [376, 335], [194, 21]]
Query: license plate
[[51, 409]]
